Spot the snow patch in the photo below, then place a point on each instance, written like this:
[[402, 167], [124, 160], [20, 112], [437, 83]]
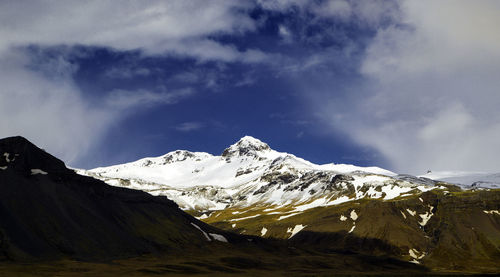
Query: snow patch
[[412, 213], [354, 215], [218, 237], [340, 200], [6, 155], [243, 218], [415, 262], [424, 188], [403, 214], [352, 229], [492, 212], [205, 234], [263, 231], [343, 218], [38, 171], [234, 225], [287, 216], [295, 230], [274, 213], [425, 217], [203, 216], [421, 200], [3, 167], [415, 254], [316, 203], [393, 191], [347, 168]]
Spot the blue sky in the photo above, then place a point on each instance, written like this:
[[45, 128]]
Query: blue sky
[[389, 83]]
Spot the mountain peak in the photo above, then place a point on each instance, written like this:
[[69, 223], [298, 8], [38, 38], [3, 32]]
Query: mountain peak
[[249, 140], [20, 154], [247, 145]]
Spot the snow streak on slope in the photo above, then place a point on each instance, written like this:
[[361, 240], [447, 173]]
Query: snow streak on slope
[[250, 173]]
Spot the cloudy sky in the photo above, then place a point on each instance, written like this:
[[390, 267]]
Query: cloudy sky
[[406, 85]]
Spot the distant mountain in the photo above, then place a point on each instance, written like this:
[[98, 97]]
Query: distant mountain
[[252, 189], [467, 180]]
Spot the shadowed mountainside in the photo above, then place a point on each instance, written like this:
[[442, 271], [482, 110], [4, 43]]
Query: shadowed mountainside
[[48, 211]]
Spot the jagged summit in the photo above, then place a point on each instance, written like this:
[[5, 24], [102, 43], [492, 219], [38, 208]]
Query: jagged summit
[[247, 145]]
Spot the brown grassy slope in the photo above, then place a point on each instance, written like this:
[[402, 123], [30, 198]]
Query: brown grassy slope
[[458, 236]]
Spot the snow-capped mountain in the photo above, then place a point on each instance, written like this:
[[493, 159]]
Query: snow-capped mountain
[[250, 173], [468, 180], [252, 189]]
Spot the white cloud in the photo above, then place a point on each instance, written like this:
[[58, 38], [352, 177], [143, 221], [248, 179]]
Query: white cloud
[[39, 98], [206, 50], [285, 34], [50, 112], [431, 100], [124, 99], [156, 27], [336, 8], [441, 37], [189, 126]]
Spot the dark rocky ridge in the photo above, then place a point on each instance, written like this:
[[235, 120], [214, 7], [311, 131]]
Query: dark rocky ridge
[[19, 154], [62, 214]]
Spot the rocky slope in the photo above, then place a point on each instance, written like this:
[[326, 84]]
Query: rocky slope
[[252, 189]]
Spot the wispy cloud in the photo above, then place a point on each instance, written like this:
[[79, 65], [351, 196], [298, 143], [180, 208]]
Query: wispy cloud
[[189, 126], [47, 107], [127, 72], [157, 27], [39, 97], [429, 96], [124, 99], [49, 111]]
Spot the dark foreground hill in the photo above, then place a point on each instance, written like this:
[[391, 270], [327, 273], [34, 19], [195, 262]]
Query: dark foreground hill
[[55, 222], [47, 211]]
